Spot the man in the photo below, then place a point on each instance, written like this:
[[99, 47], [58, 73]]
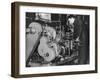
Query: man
[[79, 31]]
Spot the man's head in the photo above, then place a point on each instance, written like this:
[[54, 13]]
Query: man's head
[[71, 19]]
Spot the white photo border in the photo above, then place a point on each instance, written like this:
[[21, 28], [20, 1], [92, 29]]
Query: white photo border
[[54, 69]]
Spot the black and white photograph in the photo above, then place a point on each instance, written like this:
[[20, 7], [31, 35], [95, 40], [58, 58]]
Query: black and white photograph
[[56, 39], [51, 39]]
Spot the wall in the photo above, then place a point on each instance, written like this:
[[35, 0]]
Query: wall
[[5, 40]]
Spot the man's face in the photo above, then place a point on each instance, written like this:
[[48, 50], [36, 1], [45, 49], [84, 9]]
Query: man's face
[[71, 20]]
